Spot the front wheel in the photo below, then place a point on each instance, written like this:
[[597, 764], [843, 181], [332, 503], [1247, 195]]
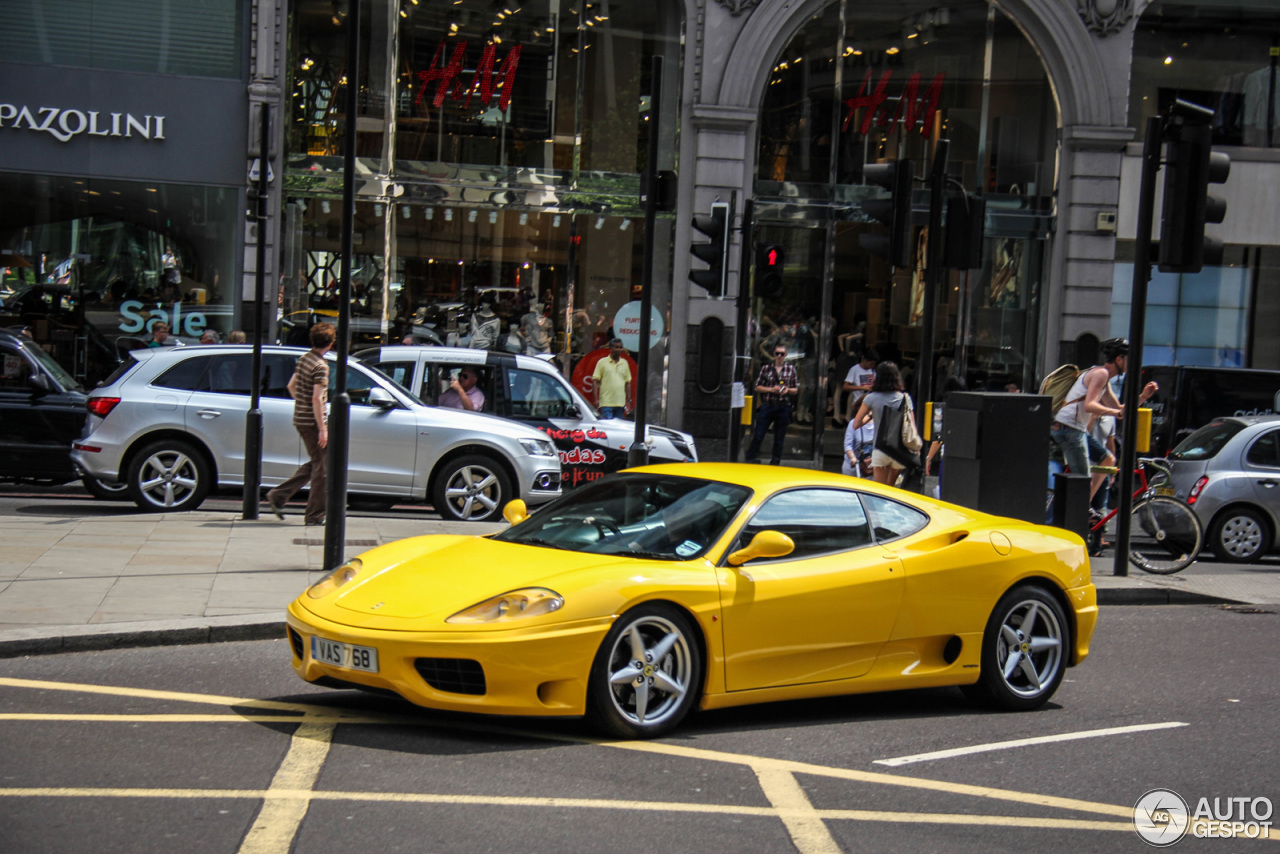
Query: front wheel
[[472, 488], [1165, 535], [647, 674], [169, 475], [1024, 650], [1240, 535]]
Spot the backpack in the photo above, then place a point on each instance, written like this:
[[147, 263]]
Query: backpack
[[1058, 384]]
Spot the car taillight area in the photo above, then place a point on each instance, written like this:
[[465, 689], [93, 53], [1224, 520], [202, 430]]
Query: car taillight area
[[102, 406], [1194, 494]]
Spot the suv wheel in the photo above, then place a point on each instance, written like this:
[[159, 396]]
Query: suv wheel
[[169, 475], [471, 488]]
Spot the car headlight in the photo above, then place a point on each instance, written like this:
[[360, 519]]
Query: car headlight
[[526, 602], [335, 579], [539, 447]]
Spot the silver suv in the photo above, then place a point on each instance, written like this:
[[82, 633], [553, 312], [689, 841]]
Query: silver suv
[[170, 424]]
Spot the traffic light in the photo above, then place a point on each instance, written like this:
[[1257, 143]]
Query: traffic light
[[895, 211], [769, 271], [1191, 165], [966, 224], [714, 254]]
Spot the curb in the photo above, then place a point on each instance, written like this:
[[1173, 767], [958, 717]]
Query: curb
[[55, 639], [1158, 596]]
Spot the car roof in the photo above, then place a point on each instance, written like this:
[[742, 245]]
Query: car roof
[[1248, 420]]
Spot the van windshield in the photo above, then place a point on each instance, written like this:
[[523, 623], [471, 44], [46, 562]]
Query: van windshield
[[1207, 441]]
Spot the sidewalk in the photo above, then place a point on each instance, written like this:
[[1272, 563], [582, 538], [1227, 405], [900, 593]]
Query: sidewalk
[[143, 579]]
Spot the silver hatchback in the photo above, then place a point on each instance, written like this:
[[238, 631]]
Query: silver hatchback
[[1229, 472], [170, 424]]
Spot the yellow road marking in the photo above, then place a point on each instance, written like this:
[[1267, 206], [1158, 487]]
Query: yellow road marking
[[579, 803], [150, 694], [808, 833], [202, 719], [279, 819]]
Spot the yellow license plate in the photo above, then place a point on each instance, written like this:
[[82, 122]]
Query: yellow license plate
[[1164, 490]]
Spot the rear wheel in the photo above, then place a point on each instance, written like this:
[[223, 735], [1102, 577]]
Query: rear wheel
[[647, 673], [169, 475], [1164, 535], [1240, 535], [1024, 650], [472, 488]]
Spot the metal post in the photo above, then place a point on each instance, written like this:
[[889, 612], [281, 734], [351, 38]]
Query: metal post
[[253, 422], [335, 520], [740, 360], [638, 455], [1137, 332], [932, 281]]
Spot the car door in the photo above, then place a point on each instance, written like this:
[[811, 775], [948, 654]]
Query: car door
[[38, 419], [822, 612], [542, 400], [383, 447], [1262, 467]]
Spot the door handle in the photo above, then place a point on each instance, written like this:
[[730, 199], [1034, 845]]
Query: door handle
[[1269, 484], [209, 413]]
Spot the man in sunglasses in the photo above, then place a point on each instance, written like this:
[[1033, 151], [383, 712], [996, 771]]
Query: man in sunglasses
[[462, 393], [776, 388]]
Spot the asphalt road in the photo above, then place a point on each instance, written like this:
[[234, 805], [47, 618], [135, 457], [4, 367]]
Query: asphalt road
[[221, 748]]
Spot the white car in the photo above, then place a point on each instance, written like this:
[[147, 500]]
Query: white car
[[530, 390], [170, 424]]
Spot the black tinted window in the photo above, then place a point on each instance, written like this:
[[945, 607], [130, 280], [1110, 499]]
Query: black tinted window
[[1207, 441], [187, 374], [1263, 452], [892, 519], [125, 367]]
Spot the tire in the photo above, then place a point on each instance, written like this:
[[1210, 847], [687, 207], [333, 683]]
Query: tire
[[169, 476], [1240, 535], [104, 490], [1022, 668], [1165, 536], [647, 674], [471, 488]]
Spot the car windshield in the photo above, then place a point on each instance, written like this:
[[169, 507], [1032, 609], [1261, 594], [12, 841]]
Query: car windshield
[[1207, 441], [59, 373], [636, 515]]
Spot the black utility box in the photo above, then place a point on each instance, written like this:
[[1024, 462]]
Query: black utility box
[[997, 453]]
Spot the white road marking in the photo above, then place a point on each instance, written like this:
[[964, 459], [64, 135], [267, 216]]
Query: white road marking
[[1024, 742]]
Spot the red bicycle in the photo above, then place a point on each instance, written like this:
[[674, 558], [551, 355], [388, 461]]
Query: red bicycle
[[1165, 535]]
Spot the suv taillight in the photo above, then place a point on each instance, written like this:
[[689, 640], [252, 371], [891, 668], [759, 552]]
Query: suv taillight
[[102, 406], [1197, 489]]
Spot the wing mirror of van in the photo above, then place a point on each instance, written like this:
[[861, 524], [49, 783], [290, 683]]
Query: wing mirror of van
[[40, 384]]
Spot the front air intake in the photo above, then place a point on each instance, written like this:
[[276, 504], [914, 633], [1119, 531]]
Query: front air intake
[[454, 675]]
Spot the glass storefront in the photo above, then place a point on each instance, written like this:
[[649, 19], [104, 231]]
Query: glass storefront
[[866, 84], [499, 151]]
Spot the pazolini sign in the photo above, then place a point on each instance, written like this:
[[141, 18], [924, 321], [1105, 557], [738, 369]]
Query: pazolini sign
[[66, 124]]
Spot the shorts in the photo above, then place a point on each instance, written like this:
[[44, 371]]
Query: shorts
[[1079, 449], [880, 458]]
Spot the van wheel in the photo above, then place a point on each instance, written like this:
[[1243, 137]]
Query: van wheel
[[471, 488], [1240, 535], [169, 475]]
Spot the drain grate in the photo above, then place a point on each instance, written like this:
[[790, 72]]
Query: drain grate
[[310, 541]]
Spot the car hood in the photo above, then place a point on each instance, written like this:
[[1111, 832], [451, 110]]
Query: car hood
[[419, 582]]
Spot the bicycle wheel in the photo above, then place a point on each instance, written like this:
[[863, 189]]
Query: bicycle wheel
[[1165, 536]]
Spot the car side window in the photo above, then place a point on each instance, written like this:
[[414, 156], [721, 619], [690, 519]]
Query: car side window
[[358, 384], [277, 368], [15, 371], [892, 519], [819, 521], [188, 375], [1263, 452], [536, 395], [398, 372]]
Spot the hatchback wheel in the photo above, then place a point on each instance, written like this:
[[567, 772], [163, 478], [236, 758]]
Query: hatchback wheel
[[169, 475], [472, 488], [1240, 535]]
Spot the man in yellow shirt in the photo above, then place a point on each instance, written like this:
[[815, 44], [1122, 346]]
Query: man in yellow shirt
[[612, 378]]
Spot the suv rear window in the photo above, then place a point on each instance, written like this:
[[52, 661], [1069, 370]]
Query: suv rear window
[[1205, 443]]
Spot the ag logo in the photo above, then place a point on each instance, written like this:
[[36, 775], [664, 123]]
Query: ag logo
[[1161, 817]]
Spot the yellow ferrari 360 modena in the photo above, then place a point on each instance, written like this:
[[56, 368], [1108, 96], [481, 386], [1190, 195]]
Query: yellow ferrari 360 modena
[[656, 590]]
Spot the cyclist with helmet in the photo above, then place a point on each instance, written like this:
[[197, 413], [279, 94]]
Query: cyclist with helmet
[[1090, 397]]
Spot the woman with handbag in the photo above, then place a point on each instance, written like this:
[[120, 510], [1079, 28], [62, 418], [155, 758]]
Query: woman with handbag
[[890, 408]]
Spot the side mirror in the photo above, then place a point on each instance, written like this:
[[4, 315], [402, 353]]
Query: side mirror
[[381, 398], [40, 383], [572, 411], [763, 544], [515, 511]]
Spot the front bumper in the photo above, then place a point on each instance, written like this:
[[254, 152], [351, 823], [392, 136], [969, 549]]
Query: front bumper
[[527, 671], [1084, 609]]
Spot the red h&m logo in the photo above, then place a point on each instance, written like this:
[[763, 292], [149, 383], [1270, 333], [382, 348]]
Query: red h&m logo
[[910, 110], [446, 77]]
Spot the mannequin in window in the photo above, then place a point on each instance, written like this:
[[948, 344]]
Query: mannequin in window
[[514, 341], [536, 329], [485, 328]]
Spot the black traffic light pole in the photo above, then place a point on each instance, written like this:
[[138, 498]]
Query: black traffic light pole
[[740, 359], [335, 519], [932, 280], [638, 454], [253, 419]]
